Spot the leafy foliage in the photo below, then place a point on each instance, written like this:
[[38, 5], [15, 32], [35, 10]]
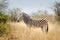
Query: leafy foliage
[[40, 14], [3, 18], [4, 29], [14, 14], [57, 11], [3, 5]]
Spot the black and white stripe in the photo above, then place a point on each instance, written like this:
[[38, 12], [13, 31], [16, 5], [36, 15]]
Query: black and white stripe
[[36, 23]]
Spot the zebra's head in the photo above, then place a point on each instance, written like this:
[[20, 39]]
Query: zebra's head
[[22, 16]]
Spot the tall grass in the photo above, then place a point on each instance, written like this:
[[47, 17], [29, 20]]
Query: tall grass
[[21, 32]]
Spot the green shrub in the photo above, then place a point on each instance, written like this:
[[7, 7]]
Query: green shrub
[[3, 18], [4, 29]]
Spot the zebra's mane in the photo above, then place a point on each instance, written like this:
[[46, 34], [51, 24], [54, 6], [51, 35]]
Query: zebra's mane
[[26, 18], [26, 15]]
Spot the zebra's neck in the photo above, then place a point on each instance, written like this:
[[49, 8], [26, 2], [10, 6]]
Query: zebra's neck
[[27, 19]]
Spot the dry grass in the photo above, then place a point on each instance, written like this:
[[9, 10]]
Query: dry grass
[[21, 32]]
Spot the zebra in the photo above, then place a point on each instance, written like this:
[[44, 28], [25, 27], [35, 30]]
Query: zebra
[[30, 22]]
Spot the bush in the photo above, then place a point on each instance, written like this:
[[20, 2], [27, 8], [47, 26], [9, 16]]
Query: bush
[[4, 30], [13, 14], [3, 18], [57, 11]]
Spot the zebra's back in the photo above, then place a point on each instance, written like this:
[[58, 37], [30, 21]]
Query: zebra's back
[[39, 23]]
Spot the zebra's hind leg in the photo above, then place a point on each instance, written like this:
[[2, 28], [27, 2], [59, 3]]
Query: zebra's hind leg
[[47, 29], [44, 29]]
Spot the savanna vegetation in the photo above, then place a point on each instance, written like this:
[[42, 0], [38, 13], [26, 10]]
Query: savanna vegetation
[[10, 29]]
